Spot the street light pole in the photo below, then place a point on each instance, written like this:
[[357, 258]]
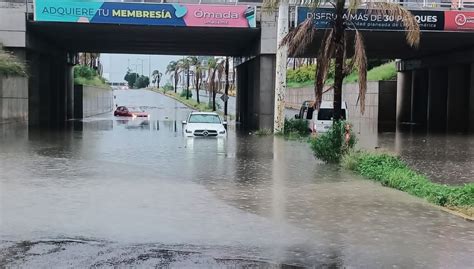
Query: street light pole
[[226, 92], [149, 66]]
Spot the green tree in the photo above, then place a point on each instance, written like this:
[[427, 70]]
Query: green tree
[[131, 78], [334, 44], [142, 82], [215, 69], [173, 70], [198, 70], [184, 65], [156, 75]]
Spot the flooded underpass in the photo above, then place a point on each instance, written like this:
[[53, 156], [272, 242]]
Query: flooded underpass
[[111, 192]]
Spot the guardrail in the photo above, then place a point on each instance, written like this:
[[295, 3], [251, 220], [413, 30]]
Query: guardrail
[[410, 4]]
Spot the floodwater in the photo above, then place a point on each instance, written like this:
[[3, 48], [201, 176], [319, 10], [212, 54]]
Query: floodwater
[[112, 192]]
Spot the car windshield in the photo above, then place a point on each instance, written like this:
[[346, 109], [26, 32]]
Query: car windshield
[[204, 118], [326, 114]]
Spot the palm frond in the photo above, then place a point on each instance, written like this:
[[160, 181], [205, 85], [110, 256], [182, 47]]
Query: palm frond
[[353, 5], [270, 5], [326, 52], [299, 38], [360, 62], [412, 28]]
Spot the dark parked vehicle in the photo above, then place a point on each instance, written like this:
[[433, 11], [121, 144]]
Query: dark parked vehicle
[[123, 111]]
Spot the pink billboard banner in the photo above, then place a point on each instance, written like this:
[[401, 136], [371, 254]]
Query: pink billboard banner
[[220, 16]]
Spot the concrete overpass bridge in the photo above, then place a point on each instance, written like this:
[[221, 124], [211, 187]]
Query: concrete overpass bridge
[[49, 46]]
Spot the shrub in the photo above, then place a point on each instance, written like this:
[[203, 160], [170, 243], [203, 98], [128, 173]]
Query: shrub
[[330, 147], [82, 71], [10, 65], [301, 74], [183, 94], [168, 87], [296, 126], [263, 132]]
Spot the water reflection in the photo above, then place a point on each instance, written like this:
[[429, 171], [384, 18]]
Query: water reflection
[[243, 197]]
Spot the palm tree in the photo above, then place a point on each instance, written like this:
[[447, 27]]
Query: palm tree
[[198, 69], [214, 67], [185, 65], [333, 44], [156, 75], [173, 69]]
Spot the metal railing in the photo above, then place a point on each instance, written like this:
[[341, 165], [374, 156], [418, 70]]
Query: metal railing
[[409, 4]]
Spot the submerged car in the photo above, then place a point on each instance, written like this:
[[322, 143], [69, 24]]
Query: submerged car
[[122, 111], [320, 120], [204, 124]]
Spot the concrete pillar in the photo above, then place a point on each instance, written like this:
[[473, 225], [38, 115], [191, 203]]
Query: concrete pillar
[[256, 89], [404, 94], [280, 70], [458, 105], [471, 98], [69, 92], [34, 65], [419, 100], [44, 91], [437, 96], [266, 93]]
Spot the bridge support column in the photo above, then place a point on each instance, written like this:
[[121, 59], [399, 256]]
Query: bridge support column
[[48, 82], [404, 94], [458, 105], [256, 89], [69, 92], [471, 99], [437, 95], [419, 97]]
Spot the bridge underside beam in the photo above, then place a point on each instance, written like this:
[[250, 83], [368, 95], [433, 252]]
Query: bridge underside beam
[[111, 38], [392, 44]]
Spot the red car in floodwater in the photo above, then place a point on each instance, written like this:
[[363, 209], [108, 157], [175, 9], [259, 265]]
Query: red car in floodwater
[[123, 111]]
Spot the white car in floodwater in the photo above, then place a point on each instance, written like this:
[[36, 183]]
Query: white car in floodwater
[[204, 124]]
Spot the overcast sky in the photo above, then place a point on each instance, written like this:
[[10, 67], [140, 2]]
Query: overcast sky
[[115, 65]]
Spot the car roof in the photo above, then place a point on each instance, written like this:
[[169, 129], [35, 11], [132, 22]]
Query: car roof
[[204, 113]]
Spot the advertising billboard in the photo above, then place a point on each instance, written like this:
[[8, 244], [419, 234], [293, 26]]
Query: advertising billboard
[[90, 11], [363, 19]]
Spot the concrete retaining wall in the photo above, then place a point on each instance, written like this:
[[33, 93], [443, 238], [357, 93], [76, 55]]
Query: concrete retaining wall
[[90, 101], [13, 24], [380, 101], [13, 99]]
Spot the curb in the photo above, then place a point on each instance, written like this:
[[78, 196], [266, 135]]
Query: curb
[[189, 106], [176, 99], [456, 213]]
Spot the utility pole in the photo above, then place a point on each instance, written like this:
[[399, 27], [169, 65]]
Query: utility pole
[[280, 76]]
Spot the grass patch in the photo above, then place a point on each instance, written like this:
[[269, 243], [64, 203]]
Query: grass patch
[[294, 84], [379, 73], [95, 82], [392, 172], [189, 102], [263, 132], [10, 65]]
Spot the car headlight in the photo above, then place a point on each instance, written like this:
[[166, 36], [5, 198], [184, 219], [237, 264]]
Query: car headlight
[[188, 131], [222, 132]]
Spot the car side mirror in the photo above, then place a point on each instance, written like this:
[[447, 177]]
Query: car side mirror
[[183, 122]]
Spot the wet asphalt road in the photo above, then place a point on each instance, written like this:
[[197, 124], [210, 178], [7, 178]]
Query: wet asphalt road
[[112, 192]]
